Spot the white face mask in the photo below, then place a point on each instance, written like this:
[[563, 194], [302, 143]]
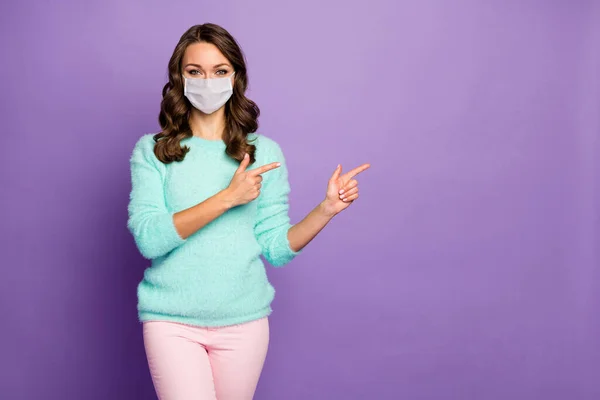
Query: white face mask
[[208, 95]]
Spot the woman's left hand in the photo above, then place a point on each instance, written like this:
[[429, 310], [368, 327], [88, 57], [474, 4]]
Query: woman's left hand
[[342, 190]]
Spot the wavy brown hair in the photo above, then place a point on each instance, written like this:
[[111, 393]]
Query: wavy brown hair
[[241, 113]]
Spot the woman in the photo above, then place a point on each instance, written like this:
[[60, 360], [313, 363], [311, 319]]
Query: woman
[[209, 196]]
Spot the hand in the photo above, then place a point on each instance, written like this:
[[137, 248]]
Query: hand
[[245, 185], [342, 190]]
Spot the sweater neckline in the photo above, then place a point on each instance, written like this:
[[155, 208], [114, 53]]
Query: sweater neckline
[[218, 143]]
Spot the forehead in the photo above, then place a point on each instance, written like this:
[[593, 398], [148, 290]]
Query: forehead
[[203, 54]]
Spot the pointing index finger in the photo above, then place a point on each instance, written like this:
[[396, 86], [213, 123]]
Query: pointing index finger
[[265, 168], [352, 173]]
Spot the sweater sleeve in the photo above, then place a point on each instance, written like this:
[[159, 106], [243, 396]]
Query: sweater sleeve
[[149, 220], [273, 221]]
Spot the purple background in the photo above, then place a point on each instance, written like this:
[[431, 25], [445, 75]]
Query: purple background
[[467, 270]]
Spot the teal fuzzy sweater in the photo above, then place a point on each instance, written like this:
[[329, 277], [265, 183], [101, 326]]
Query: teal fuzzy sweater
[[215, 277]]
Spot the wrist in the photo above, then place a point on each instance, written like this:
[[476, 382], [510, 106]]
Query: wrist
[[326, 209], [226, 199]]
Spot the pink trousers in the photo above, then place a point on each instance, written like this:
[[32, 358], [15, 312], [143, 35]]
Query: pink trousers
[[192, 363]]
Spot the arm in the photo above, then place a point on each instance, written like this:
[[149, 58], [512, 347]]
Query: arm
[[280, 240], [273, 222], [342, 190], [194, 218], [306, 230], [157, 231], [242, 189]]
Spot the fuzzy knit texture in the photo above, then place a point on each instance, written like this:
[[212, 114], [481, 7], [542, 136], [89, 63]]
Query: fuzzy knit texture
[[215, 277]]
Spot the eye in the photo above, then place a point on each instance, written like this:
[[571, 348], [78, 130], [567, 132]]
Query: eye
[[194, 72], [222, 72]]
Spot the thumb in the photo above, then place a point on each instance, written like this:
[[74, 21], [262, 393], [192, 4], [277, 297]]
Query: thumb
[[243, 164], [336, 173]]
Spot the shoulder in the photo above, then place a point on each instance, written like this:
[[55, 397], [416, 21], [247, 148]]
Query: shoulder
[[265, 145], [144, 143], [143, 150]]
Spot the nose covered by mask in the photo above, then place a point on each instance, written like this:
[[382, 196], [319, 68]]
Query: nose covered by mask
[[208, 95]]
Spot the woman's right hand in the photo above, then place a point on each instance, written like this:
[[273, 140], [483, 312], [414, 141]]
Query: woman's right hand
[[245, 185]]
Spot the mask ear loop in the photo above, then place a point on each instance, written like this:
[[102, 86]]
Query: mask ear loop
[[185, 83], [231, 76]]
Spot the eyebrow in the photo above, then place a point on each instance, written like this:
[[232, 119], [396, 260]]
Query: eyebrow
[[216, 66]]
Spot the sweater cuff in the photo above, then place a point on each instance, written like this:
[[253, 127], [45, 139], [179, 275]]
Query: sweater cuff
[[285, 254], [170, 235]]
